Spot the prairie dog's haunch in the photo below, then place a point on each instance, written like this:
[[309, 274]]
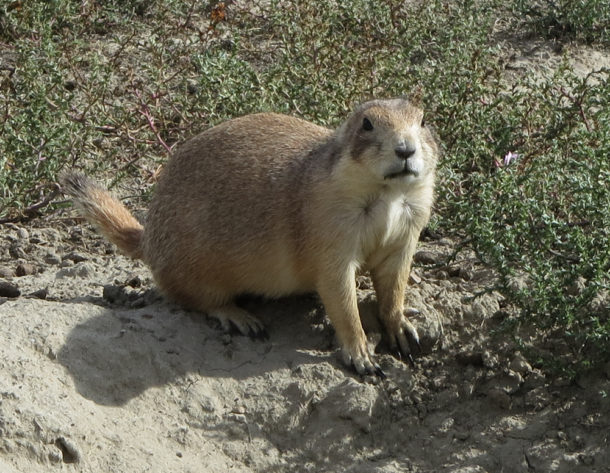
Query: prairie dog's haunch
[[274, 205]]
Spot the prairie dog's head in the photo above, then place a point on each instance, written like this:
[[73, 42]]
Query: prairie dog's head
[[389, 141]]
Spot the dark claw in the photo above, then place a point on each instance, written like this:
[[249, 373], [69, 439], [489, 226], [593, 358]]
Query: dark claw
[[379, 373], [262, 335], [414, 344], [400, 355]]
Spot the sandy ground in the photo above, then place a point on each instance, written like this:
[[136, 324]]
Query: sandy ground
[[98, 373]]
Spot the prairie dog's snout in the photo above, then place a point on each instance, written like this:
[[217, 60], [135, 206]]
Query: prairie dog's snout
[[404, 150]]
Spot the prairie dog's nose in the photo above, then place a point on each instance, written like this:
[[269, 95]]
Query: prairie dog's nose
[[404, 150]]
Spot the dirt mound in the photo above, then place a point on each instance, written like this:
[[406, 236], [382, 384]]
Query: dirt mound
[[99, 373]]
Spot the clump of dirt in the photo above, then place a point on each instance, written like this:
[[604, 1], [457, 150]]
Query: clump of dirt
[[100, 373]]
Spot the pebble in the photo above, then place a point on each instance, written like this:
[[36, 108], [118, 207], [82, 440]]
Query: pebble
[[76, 257], [520, 365], [23, 234], [9, 290], [82, 270], [114, 293], [6, 272], [52, 258], [499, 398], [70, 453], [25, 269], [426, 257], [489, 360], [40, 293], [16, 251]]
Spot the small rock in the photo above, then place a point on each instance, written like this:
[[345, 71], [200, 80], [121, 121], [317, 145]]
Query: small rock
[[40, 293], [82, 270], [22, 234], [52, 258], [55, 456], [69, 451], [6, 272], [426, 257], [509, 382], [114, 293], [192, 87], [16, 251], [534, 380], [9, 290], [586, 459], [520, 364], [489, 360], [76, 257], [25, 269], [499, 398], [135, 281]]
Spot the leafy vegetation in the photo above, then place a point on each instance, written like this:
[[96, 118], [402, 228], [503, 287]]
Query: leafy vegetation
[[111, 87]]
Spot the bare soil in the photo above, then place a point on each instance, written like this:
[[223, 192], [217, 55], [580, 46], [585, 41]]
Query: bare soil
[[99, 373]]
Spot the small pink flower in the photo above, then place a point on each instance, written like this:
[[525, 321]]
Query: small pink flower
[[510, 157]]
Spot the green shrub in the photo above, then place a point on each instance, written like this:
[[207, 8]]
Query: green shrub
[[588, 20]]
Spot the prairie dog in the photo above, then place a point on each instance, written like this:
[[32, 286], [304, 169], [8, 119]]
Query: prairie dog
[[274, 205]]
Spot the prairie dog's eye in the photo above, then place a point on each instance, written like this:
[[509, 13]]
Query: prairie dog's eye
[[423, 122], [366, 124]]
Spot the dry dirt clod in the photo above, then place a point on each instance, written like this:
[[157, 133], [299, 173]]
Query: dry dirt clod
[[8, 289], [520, 365], [6, 272], [25, 269], [426, 257], [16, 251], [75, 256], [52, 258], [22, 234], [40, 293]]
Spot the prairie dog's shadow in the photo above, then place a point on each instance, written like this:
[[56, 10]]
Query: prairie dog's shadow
[[115, 356]]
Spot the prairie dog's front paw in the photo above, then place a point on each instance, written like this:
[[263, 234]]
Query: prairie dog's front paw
[[359, 357]]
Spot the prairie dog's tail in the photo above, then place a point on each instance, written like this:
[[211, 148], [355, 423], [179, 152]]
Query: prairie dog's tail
[[105, 212]]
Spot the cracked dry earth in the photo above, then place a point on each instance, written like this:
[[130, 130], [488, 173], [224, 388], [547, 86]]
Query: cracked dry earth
[[100, 374]]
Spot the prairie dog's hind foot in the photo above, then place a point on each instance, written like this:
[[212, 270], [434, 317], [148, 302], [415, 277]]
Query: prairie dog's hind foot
[[232, 317]]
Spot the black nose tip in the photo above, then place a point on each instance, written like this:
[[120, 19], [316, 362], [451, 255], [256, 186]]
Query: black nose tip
[[404, 151]]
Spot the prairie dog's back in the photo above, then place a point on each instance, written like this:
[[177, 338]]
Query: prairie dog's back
[[231, 189]]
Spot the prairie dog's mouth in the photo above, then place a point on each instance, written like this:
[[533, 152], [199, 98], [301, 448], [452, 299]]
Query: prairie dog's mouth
[[405, 171]]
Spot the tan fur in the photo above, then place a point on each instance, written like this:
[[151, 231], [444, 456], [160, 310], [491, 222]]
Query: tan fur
[[274, 205]]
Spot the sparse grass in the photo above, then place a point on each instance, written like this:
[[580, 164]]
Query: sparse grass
[[587, 21], [111, 87]]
